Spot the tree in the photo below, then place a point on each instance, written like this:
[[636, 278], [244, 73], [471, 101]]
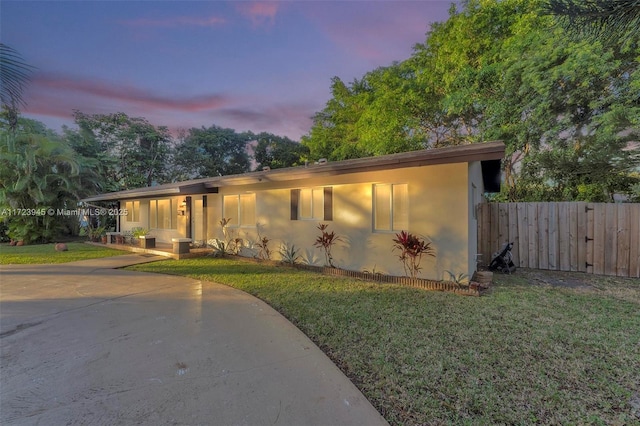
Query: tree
[[38, 171], [333, 134], [567, 109], [14, 75], [607, 20], [212, 151], [133, 153], [277, 152]]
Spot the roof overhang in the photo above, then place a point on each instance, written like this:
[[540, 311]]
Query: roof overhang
[[155, 191], [457, 154]]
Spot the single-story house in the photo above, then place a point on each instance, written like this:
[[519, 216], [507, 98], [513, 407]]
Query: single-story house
[[432, 193]]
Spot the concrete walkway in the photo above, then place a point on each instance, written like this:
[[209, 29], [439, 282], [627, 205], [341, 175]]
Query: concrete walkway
[[83, 343]]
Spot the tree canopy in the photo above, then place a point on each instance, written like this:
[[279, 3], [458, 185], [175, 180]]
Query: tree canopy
[[567, 108], [607, 20]]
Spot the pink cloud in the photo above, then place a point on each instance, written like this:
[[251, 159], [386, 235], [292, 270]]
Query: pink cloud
[[54, 97], [67, 87], [290, 119], [178, 21], [259, 13]]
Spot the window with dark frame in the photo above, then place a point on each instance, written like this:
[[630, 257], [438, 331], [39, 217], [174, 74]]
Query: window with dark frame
[[312, 203]]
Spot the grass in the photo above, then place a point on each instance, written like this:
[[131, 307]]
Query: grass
[[46, 253], [531, 351]]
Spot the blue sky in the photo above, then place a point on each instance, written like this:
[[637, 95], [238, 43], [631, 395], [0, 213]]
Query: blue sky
[[259, 66]]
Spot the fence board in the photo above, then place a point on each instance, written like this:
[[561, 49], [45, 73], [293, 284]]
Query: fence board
[[622, 261], [495, 230], [634, 242], [543, 214], [554, 234], [599, 223], [596, 238], [564, 237], [590, 213], [523, 235], [583, 231], [503, 217], [513, 232], [611, 239], [533, 235]]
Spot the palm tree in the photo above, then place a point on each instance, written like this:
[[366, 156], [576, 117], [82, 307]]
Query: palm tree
[[14, 75], [36, 173], [607, 20]]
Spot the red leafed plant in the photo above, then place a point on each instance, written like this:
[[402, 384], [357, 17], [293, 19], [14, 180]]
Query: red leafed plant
[[412, 248], [326, 240]]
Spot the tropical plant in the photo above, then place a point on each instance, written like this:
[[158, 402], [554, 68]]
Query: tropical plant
[[412, 249], [460, 279], [93, 233], [138, 232], [326, 240], [14, 75], [38, 173], [230, 244], [220, 247], [289, 253], [263, 244]]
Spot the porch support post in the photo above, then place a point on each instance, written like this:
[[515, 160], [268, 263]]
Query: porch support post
[[188, 218]]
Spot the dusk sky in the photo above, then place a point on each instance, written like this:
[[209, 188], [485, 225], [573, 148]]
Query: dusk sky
[[259, 66]]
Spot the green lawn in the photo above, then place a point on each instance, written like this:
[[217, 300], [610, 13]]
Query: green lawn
[[525, 353], [46, 253]]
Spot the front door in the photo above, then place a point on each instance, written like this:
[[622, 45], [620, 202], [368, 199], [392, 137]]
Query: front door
[[197, 219]]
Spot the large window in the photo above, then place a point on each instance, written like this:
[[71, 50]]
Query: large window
[[390, 207], [241, 209], [312, 204], [133, 211], [163, 214]]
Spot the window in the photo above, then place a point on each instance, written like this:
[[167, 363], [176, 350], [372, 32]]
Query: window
[[390, 207], [133, 211], [241, 209], [312, 204], [163, 214]]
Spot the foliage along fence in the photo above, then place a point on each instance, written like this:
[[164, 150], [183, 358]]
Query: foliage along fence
[[597, 238]]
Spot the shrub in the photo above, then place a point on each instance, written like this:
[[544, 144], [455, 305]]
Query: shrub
[[289, 253], [326, 240], [412, 248]]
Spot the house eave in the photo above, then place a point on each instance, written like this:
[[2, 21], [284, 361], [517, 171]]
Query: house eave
[[456, 154], [154, 191]]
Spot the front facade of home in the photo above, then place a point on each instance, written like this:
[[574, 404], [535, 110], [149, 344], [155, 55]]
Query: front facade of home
[[432, 193]]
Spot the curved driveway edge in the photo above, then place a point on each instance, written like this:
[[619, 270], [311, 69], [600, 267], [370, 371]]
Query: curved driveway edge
[[81, 343]]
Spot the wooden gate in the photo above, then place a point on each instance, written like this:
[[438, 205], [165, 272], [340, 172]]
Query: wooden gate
[[597, 238]]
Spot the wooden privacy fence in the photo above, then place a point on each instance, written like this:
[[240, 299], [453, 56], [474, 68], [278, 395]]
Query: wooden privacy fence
[[597, 238]]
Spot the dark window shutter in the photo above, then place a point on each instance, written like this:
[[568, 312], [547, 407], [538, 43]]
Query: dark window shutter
[[328, 203], [295, 196]]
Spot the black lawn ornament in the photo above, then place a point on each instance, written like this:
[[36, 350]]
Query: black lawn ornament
[[503, 261]]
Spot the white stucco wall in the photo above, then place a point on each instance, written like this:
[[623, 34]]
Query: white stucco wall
[[438, 210]]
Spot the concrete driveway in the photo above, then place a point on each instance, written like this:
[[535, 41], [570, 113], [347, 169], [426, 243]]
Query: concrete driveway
[[81, 343]]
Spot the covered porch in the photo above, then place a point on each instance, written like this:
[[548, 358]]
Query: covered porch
[[160, 249]]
